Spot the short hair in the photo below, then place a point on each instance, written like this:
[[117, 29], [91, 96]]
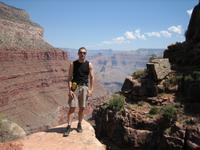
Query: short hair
[[81, 48]]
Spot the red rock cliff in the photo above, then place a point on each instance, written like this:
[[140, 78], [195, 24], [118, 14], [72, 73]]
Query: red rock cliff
[[33, 74]]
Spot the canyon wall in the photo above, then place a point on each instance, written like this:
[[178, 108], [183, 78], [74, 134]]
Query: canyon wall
[[33, 74]]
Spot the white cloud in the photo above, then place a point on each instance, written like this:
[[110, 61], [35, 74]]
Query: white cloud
[[134, 35], [175, 29], [119, 40], [129, 35], [189, 12], [139, 35], [165, 34], [153, 34]]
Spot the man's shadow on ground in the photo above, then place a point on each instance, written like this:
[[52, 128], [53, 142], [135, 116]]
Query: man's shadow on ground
[[60, 130]]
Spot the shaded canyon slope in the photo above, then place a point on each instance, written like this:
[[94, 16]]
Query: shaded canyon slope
[[33, 74]]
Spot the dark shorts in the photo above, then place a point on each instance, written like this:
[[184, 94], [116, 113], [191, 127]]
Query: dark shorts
[[80, 97]]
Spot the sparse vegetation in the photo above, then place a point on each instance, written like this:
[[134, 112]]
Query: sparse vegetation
[[154, 110], [153, 56], [168, 131], [172, 80], [192, 121], [169, 113], [116, 102], [188, 78], [139, 74], [194, 76], [179, 77], [168, 117]]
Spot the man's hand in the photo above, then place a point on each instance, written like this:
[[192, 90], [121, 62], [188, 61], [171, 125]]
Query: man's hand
[[89, 92], [71, 94]]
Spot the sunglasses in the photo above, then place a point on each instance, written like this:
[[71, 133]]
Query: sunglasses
[[82, 53]]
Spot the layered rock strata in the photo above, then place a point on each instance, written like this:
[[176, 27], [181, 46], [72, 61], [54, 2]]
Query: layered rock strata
[[33, 74]]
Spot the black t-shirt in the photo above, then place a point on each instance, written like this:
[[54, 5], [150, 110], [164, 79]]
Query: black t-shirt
[[80, 72]]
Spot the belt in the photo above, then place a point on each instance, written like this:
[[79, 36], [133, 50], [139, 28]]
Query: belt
[[82, 84]]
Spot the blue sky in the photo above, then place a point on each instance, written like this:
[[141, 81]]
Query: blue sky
[[115, 24]]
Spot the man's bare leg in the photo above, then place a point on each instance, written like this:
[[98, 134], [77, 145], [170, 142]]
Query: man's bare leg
[[81, 114], [80, 118], [70, 116]]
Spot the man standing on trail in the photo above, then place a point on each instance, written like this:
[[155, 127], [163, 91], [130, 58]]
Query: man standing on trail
[[80, 71]]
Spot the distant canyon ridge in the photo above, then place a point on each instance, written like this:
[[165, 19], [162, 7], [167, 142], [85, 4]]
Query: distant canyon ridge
[[111, 66]]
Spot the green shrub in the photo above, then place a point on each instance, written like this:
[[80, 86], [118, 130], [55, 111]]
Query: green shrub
[[168, 131], [152, 57], [169, 113], [116, 102], [173, 80], [189, 78], [179, 77], [192, 121], [196, 75], [154, 110], [139, 74]]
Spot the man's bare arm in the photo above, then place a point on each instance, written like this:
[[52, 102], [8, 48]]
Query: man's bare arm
[[91, 76], [70, 76]]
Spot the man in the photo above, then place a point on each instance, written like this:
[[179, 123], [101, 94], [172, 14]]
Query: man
[[80, 72]]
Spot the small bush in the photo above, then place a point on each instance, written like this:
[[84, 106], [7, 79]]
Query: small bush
[[196, 75], [168, 131], [179, 77], [169, 113], [173, 80], [168, 117], [189, 78], [154, 110], [139, 74], [192, 121], [116, 102], [152, 57]]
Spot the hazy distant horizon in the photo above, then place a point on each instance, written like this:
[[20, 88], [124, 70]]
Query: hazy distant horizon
[[113, 49]]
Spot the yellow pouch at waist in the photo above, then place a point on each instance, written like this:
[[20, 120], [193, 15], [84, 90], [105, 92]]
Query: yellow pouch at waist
[[74, 86]]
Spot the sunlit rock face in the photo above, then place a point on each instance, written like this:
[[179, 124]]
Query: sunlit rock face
[[33, 74]]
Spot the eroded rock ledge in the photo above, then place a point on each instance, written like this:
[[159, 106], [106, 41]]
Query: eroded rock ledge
[[53, 139]]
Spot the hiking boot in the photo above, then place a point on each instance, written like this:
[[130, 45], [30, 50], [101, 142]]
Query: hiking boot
[[79, 128], [67, 131]]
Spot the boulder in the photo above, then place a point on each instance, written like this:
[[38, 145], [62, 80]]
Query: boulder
[[10, 130], [173, 138], [137, 138], [193, 138], [159, 68]]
